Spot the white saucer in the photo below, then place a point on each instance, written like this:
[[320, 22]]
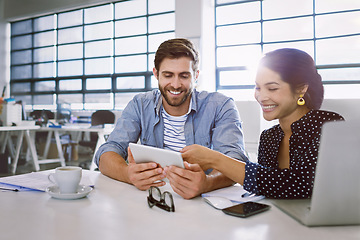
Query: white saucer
[[83, 191]]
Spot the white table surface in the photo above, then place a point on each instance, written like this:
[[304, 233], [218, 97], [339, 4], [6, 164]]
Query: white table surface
[[115, 210], [18, 128]]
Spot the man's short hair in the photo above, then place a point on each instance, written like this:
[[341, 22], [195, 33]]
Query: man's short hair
[[176, 48]]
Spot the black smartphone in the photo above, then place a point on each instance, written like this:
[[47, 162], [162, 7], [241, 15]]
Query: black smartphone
[[246, 209]]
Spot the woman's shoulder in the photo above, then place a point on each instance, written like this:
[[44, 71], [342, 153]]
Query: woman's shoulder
[[324, 115], [313, 121]]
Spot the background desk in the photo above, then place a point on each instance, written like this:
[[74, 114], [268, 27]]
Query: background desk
[[102, 134], [115, 210], [28, 133], [15, 151]]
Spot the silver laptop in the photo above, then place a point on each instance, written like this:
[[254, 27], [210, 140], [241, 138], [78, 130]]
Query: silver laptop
[[336, 194]]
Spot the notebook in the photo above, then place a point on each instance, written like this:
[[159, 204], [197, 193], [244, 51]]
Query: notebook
[[336, 193]]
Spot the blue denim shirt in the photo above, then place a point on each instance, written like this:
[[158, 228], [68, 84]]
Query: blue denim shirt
[[213, 122]]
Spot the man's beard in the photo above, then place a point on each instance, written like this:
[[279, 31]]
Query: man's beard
[[174, 103]]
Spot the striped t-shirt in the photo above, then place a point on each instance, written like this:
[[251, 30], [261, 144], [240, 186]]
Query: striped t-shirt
[[174, 136]]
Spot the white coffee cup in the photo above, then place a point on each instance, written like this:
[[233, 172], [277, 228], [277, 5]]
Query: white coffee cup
[[66, 178]]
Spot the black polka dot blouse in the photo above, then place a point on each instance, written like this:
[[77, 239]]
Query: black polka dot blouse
[[266, 178]]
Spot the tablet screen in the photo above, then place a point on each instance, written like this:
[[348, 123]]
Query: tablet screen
[[164, 157]]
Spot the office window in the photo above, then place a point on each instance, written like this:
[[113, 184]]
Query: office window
[[92, 58], [135, 82], [70, 85], [329, 30]]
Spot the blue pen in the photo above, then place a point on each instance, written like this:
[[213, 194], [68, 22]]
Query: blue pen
[[18, 188], [9, 189], [247, 194]]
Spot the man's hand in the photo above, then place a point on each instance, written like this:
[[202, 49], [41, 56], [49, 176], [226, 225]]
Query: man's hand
[[144, 175], [189, 182]]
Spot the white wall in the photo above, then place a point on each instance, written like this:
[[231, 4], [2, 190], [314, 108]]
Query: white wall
[[348, 108], [207, 44], [4, 50], [195, 21], [253, 124]]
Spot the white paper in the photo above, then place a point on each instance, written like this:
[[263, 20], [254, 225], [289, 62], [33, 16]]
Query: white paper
[[233, 193], [35, 180]]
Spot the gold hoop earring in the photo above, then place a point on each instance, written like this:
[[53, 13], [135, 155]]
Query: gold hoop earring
[[301, 100]]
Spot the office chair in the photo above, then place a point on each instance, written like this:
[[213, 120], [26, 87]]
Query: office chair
[[42, 117], [98, 119]]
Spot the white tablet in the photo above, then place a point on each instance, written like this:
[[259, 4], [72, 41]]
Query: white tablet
[[164, 157]]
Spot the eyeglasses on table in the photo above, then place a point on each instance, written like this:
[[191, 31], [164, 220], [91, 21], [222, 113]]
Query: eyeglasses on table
[[163, 200]]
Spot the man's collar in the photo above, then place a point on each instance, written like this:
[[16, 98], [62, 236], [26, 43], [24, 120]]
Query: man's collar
[[158, 102]]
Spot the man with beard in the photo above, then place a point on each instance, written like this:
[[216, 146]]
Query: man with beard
[[175, 116]]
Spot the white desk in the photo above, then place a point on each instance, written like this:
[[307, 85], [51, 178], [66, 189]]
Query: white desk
[[102, 133], [22, 131], [115, 210]]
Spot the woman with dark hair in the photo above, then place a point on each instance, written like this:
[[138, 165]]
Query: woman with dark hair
[[288, 88]]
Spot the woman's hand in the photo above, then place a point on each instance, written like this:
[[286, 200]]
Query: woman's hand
[[200, 155]]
